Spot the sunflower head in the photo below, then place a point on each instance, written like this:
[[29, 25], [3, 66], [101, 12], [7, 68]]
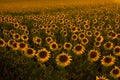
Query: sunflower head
[[29, 52], [63, 59], [108, 45], [37, 40], [22, 46], [24, 37], [116, 50], [99, 39], [97, 44], [53, 46], [43, 55], [108, 60], [93, 55], [115, 72], [78, 49], [2, 43], [67, 46], [16, 36], [74, 37]]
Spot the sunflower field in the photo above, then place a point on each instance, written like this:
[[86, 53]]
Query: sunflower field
[[68, 43]]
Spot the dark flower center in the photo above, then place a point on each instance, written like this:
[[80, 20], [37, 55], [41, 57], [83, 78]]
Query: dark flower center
[[115, 71], [30, 51], [63, 58], [78, 48], [107, 59], [43, 54], [93, 54]]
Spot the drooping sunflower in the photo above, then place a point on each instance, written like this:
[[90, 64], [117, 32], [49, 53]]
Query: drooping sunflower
[[78, 49], [63, 59], [116, 50], [101, 78], [93, 55], [108, 45], [43, 55], [67, 46], [115, 72], [29, 52], [108, 60], [2, 43], [99, 39], [37, 40], [53, 46]]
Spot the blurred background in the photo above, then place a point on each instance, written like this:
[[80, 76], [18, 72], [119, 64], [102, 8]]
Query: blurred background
[[15, 4]]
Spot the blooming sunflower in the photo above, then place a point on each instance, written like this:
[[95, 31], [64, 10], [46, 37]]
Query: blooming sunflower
[[24, 37], [74, 37], [84, 41], [16, 36], [49, 39], [99, 39], [2, 43], [10, 42], [89, 33], [96, 33], [101, 78], [53, 46], [97, 44], [63, 59], [78, 49], [81, 36], [115, 72], [15, 46], [108, 45], [108, 60], [37, 40], [29, 52], [22, 45], [93, 55], [43, 55], [116, 50], [67, 46]]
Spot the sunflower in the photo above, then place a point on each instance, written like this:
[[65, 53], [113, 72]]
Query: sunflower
[[78, 49], [15, 46], [63, 59], [24, 27], [86, 26], [97, 44], [113, 35], [116, 26], [22, 45], [73, 29], [99, 39], [16, 36], [37, 40], [93, 55], [94, 21], [26, 32], [43, 55], [16, 25], [24, 37], [89, 33], [2, 43], [108, 60], [49, 39], [29, 52], [118, 36], [108, 45], [67, 46], [5, 32], [96, 33], [12, 31], [84, 41], [81, 36], [74, 37], [53, 46], [10, 42], [65, 33], [116, 50], [101, 78], [115, 72]]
